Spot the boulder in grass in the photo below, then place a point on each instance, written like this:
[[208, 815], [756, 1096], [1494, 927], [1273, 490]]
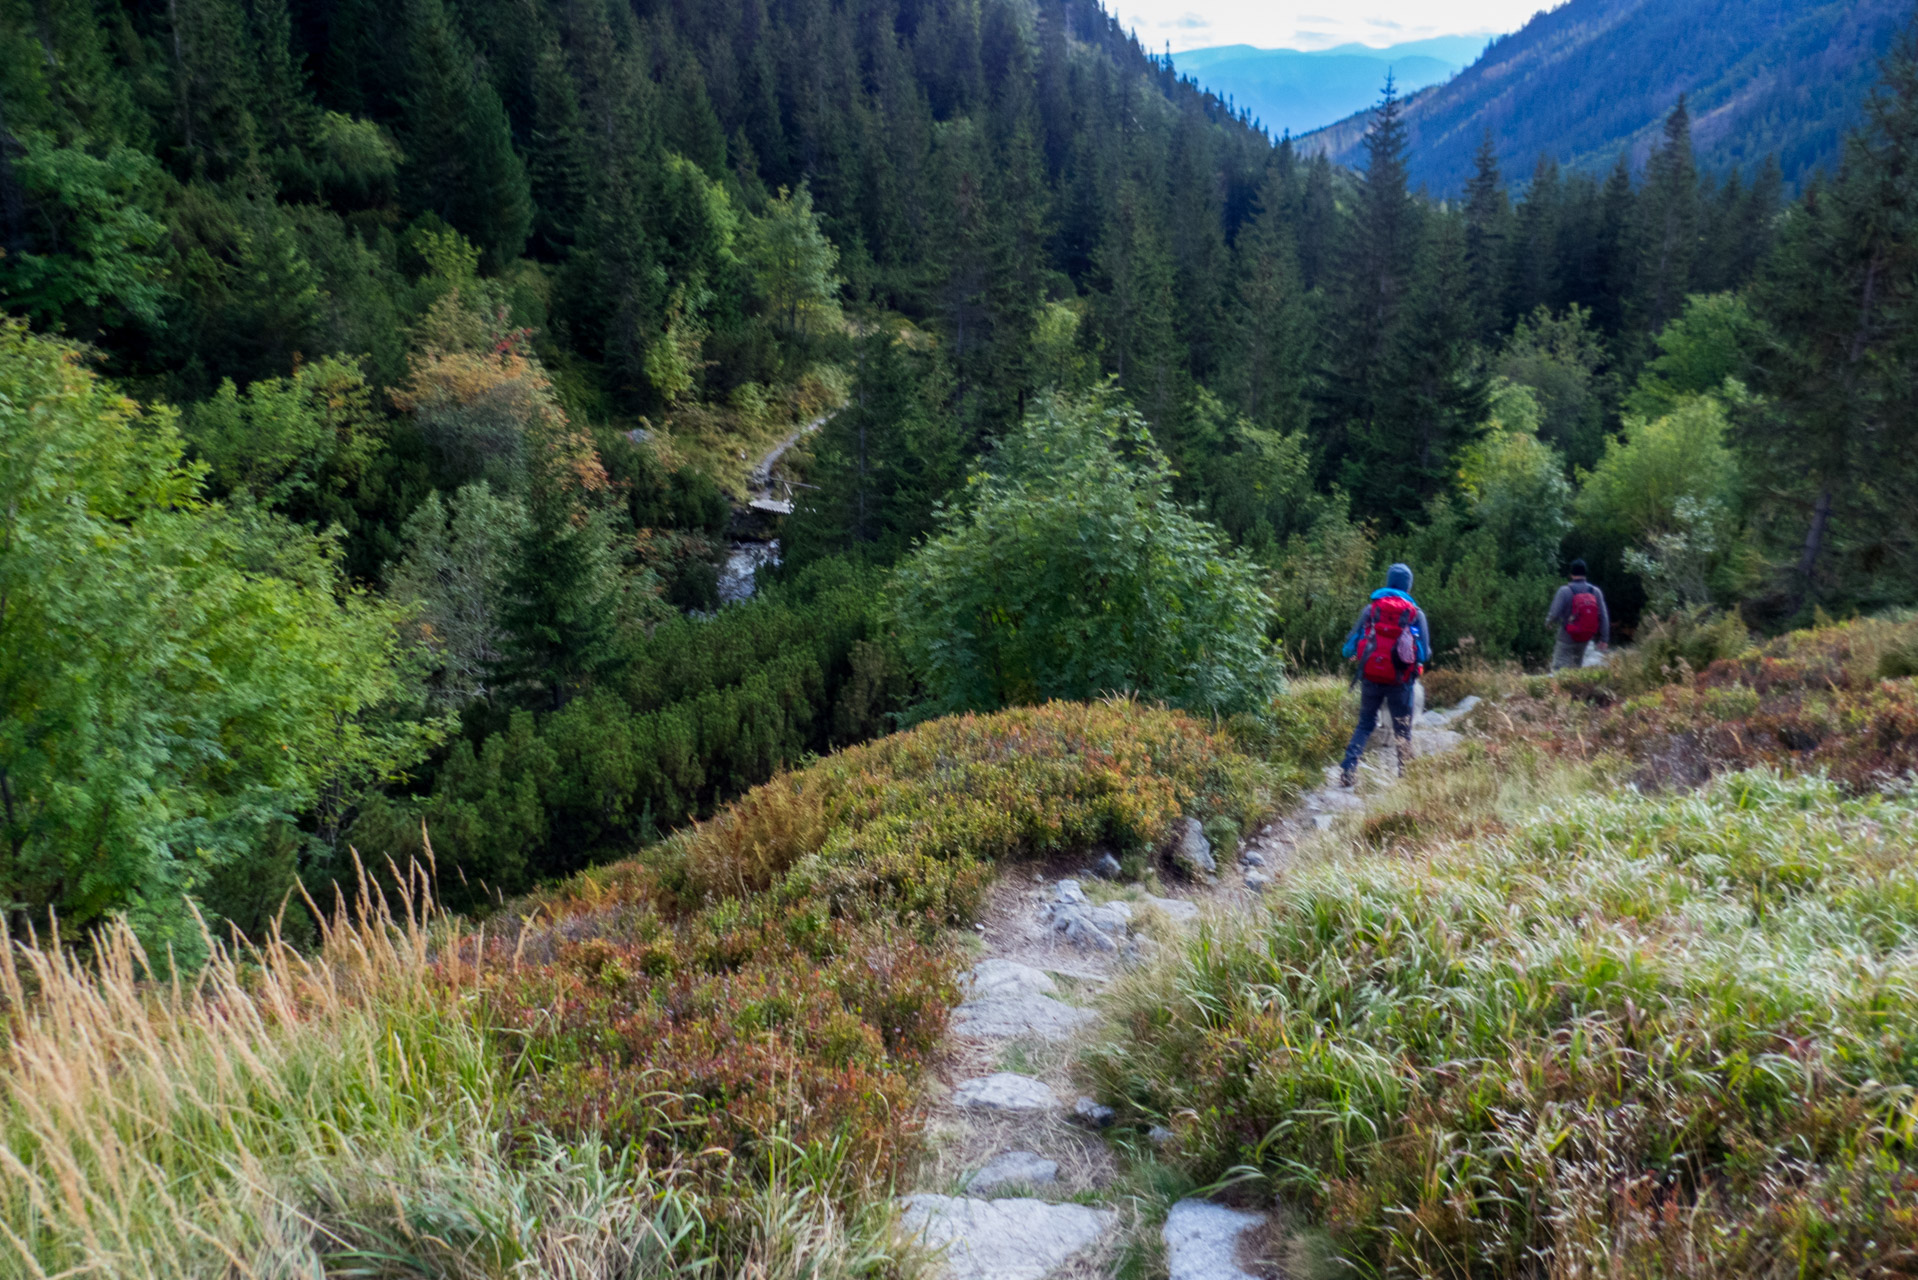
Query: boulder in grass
[[1191, 851]]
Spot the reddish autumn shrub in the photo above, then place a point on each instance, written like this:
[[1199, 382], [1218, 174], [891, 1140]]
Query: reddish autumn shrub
[[781, 973]]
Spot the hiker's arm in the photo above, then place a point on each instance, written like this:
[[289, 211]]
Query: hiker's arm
[[1358, 629], [1425, 638], [1560, 602]]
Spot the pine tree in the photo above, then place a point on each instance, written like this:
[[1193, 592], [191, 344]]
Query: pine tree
[[1134, 308], [1375, 272], [1274, 329], [459, 149], [1488, 217], [215, 84], [1669, 220], [557, 161], [884, 462], [562, 599], [1841, 449], [1433, 398], [1535, 266]]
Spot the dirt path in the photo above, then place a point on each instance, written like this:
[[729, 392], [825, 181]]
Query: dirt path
[[759, 481], [1019, 1182]]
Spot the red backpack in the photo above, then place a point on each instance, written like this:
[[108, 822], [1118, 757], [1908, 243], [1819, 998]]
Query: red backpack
[[1388, 652], [1583, 623]]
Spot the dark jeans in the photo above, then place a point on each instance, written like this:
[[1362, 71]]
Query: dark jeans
[[1372, 696]]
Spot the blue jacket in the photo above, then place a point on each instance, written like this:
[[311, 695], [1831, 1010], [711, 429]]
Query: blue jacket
[[1421, 629]]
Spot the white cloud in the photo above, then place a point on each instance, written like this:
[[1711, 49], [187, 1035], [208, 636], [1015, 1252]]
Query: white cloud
[[1289, 24]]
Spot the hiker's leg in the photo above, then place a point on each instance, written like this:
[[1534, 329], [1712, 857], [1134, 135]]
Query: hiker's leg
[[1567, 652], [1370, 697], [1398, 701]]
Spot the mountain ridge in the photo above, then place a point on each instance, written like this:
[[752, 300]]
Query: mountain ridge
[[1577, 83]]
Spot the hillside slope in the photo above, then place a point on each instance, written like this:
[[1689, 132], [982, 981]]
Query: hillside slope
[[1594, 77]]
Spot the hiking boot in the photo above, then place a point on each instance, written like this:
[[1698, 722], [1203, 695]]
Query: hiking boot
[[1348, 775]]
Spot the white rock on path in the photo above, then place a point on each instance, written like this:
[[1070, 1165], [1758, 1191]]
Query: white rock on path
[[1005, 1091], [1005, 1017], [995, 977], [1202, 1241], [1014, 1169], [1004, 1239], [1177, 909]]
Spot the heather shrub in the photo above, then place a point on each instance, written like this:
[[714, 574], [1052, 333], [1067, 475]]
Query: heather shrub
[[778, 976]]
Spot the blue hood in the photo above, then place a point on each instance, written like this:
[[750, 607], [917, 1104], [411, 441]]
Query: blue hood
[[1399, 577]]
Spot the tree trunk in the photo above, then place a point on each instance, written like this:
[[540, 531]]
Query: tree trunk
[[1814, 543]]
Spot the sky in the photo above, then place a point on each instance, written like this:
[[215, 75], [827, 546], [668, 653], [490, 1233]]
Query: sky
[[1315, 24]]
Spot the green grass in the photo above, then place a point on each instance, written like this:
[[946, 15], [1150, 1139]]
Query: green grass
[[1630, 1036]]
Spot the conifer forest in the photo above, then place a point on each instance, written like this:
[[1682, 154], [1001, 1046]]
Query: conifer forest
[[573, 572]]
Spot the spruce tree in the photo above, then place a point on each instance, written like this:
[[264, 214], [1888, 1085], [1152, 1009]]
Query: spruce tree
[[1840, 448], [1274, 329], [1134, 308], [1668, 226], [1488, 217], [1375, 271], [1433, 396], [459, 149], [1535, 265]]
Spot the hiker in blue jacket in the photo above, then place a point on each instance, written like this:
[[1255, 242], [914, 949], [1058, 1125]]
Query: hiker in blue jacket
[[1391, 642]]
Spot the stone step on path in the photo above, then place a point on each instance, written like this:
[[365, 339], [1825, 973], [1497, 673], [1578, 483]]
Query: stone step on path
[[1005, 1091], [1010, 1239], [1013, 1169], [1006, 1000], [1205, 1241]]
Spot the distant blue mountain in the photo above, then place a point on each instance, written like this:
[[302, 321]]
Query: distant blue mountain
[[1298, 90]]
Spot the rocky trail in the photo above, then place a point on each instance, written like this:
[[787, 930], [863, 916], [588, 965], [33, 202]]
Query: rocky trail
[[1020, 1181]]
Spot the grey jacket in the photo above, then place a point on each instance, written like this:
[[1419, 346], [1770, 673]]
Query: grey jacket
[[1561, 613]]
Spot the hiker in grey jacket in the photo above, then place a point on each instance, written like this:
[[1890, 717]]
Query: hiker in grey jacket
[[1578, 625]]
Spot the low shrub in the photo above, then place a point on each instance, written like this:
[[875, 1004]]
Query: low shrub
[[1810, 700], [778, 976], [1628, 1035]]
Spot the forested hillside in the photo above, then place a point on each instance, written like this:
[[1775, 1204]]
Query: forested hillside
[[426, 348], [1588, 80]]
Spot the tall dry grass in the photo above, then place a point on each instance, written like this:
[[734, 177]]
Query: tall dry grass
[[339, 1114]]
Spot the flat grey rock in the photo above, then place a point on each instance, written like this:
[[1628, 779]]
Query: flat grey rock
[[1202, 1241], [1107, 867], [1257, 881], [1082, 932], [1069, 892], [997, 977], [1251, 858], [1005, 1091], [1431, 742], [1004, 1239], [1178, 910], [1014, 1169], [1005, 1017]]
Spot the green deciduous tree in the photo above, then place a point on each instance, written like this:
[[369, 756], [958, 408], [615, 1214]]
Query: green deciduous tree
[[793, 262], [1070, 572], [177, 681]]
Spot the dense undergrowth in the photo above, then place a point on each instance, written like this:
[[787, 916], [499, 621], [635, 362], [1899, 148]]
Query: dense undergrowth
[[707, 1052], [1629, 988]]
